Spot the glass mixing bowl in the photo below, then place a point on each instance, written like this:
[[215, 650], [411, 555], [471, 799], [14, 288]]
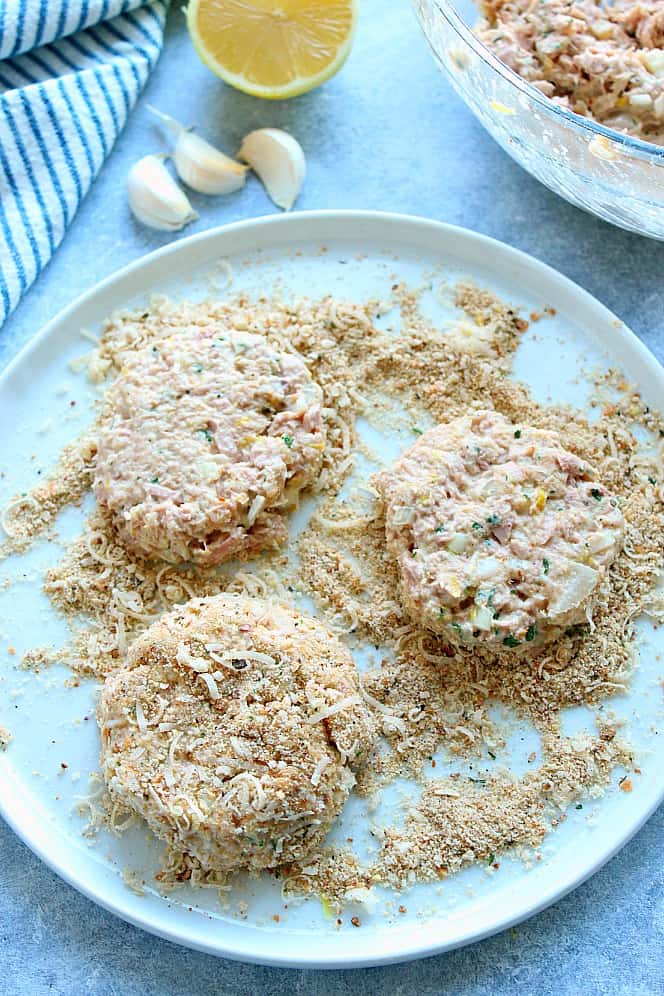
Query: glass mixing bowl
[[616, 177]]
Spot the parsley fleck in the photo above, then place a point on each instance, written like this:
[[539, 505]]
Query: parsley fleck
[[578, 806], [547, 565], [199, 368], [596, 493], [207, 434], [154, 480], [653, 480], [491, 755], [511, 641], [531, 633], [288, 440], [439, 529], [477, 525], [491, 859], [416, 430], [517, 434], [493, 520]]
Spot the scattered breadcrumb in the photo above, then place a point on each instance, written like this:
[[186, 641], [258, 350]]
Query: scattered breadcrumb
[[426, 697], [30, 515], [458, 822]]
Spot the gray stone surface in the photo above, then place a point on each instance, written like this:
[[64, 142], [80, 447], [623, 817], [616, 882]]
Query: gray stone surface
[[387, 133]]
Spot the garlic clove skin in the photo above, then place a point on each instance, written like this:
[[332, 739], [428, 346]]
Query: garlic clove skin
[[155, 198], [199, 164], [278, 160]]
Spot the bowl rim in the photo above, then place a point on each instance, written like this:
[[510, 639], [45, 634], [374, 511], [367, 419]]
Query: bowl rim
[[446, 8]]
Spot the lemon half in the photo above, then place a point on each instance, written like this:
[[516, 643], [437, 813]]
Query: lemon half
[[272, 48]]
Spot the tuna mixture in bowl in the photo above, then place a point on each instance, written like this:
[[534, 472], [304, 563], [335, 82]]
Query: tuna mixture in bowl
[[574, 92]]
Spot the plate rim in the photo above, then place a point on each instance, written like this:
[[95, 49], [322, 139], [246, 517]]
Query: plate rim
[[399, 951]]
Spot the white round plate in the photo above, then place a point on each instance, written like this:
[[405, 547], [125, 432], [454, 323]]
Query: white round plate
[[52, 723]]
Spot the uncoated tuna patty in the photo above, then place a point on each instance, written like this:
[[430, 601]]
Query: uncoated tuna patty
[[501, 535], [207, 438]]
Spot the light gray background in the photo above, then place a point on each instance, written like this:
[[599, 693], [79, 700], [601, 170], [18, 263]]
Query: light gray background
[[386, 133]]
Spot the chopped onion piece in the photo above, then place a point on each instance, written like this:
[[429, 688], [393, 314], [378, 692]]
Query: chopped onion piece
[[603, 540], [482, 617], [578, 585], [403, 515], [458, 543], [487, 567]]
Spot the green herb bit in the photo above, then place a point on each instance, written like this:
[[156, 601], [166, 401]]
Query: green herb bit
[[653, 480], [511, 641], [439, 529], [491, 755], [596, 493], [416, 430], [531, 633], [208, 435], [491, 859], [154, 480], [288, 440], [493, 520], [578, 806], [517, 434], [199, 368], [547, 565], [477, 525]]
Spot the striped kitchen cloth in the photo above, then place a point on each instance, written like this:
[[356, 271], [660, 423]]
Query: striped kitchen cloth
[[70, 72]]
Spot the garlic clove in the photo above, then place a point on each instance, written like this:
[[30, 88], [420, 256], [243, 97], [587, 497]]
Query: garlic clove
[[200, 165], [205, 168], [278, 160], [155, 198]]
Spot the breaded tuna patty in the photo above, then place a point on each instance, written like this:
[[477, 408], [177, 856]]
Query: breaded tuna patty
[[501, 535], [207, 438], [233, 729]]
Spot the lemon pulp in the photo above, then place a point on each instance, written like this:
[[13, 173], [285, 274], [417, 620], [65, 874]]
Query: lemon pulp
[[272, 48]]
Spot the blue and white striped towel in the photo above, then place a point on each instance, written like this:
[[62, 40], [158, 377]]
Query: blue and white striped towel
[[70, 72]]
